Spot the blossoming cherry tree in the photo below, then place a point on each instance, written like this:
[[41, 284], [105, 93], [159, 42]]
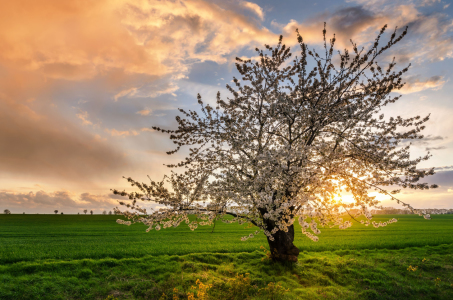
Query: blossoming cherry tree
[[286, 144]]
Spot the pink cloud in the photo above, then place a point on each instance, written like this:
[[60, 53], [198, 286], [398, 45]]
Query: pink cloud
[[121, 133]]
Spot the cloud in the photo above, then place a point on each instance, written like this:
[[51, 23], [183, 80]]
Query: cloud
[[442, 178], [432, 138], [432, 198], [48, 146], [83, 115], [158, 87], [145, 112], [444, 168], [124, 49], [123, 133], [430, 36], [97, 200], [354, 22], [415, 84], [71, 40], [252, 58], [207, 92], [254, 8], [424, 141], [65, 201], [77, 40], [436, 148], [429, 2], [129, 91], [82, 40], [147, 129]]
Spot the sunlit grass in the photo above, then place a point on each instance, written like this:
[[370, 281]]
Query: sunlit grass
[[92, 257], [31, 237]]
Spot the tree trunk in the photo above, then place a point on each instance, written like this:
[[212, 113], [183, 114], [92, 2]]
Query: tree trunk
[[282, 247]]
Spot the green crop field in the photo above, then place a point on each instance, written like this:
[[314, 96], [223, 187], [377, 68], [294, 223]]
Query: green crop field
[[92, 257]]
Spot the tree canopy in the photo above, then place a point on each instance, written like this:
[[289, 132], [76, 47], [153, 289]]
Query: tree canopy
[[294, 136]]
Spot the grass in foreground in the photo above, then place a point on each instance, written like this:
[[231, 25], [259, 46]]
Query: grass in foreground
[[342, 274], [92, 257], [35, 237]]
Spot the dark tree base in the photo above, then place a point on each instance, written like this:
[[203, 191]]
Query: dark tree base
[[282, 247]]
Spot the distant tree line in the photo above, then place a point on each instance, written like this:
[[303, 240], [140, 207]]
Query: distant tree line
[[8, 212], [383, 211], [395, 211], [103, 212]]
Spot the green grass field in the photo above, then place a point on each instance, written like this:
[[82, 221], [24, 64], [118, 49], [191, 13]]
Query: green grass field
[[92, 257]]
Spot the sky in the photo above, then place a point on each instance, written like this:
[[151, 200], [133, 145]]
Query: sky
[[82, 83]]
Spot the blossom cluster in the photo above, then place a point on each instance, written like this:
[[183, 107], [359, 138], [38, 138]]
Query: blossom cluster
[[119, 221], [383, 224]]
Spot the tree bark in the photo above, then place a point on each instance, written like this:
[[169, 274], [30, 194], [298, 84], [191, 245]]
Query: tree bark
[[282, 247]]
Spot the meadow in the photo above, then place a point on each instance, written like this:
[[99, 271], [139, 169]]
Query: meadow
[[92, 257]]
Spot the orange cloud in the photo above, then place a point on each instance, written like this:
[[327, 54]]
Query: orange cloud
[[76, 40], [70, 39]]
